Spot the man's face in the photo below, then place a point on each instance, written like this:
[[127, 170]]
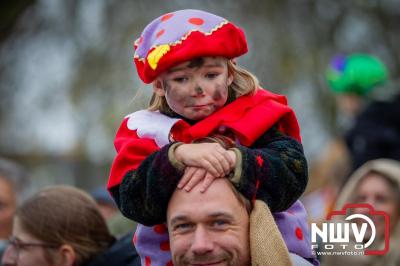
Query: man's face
[[7, 208], [196, 88], [210, 228]]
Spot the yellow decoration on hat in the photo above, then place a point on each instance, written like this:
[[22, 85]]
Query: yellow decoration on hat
[[155, 55]]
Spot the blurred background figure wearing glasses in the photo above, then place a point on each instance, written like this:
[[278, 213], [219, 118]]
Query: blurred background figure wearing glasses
[[61, 225], [12, 180]]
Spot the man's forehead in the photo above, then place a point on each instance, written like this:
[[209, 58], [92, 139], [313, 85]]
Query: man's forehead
[[213, 214], [218, 199]]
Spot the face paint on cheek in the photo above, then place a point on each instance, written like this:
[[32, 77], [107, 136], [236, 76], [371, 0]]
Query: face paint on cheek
[[176, 98], [190, 101], [220, 92]]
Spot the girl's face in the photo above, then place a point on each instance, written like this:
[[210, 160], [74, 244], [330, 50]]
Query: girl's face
[[196, 88]]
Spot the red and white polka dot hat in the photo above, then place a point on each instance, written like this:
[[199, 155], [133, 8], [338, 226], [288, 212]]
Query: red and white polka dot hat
[[181, 35]]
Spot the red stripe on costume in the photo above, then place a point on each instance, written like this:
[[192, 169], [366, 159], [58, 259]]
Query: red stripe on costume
[[259, 160]]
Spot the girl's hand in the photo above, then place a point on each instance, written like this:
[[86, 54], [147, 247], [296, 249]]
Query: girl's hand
[[212, 157], [208, 178], [192, 177]]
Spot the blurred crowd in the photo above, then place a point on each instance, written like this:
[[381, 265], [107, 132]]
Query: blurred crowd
[[361, 164], [60, 225]]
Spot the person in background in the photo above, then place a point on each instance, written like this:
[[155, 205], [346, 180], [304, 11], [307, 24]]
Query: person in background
[[377, 183], [369, 108], [61, 225], [104, 201], [12, 178], [118, 224], [364, 96], [352, 79]]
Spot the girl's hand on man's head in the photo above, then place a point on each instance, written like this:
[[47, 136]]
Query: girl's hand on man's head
[[212, 157]]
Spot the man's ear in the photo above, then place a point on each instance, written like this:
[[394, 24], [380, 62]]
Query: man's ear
[[158, 87], [67, 254]]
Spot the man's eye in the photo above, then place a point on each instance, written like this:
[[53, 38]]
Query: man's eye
[[183, 227], [219, 223]]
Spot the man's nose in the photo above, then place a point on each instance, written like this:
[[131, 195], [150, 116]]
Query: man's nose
[[202, 241]]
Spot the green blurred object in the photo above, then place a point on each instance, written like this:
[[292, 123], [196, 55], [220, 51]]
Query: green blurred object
[[356, 74], [120, 225]]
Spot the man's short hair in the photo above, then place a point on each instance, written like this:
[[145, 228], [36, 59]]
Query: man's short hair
[[242, 200]]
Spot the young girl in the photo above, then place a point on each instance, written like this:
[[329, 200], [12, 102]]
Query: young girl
[[207, 119]]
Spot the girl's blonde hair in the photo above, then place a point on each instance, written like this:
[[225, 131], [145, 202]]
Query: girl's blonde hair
[[244, 83]]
